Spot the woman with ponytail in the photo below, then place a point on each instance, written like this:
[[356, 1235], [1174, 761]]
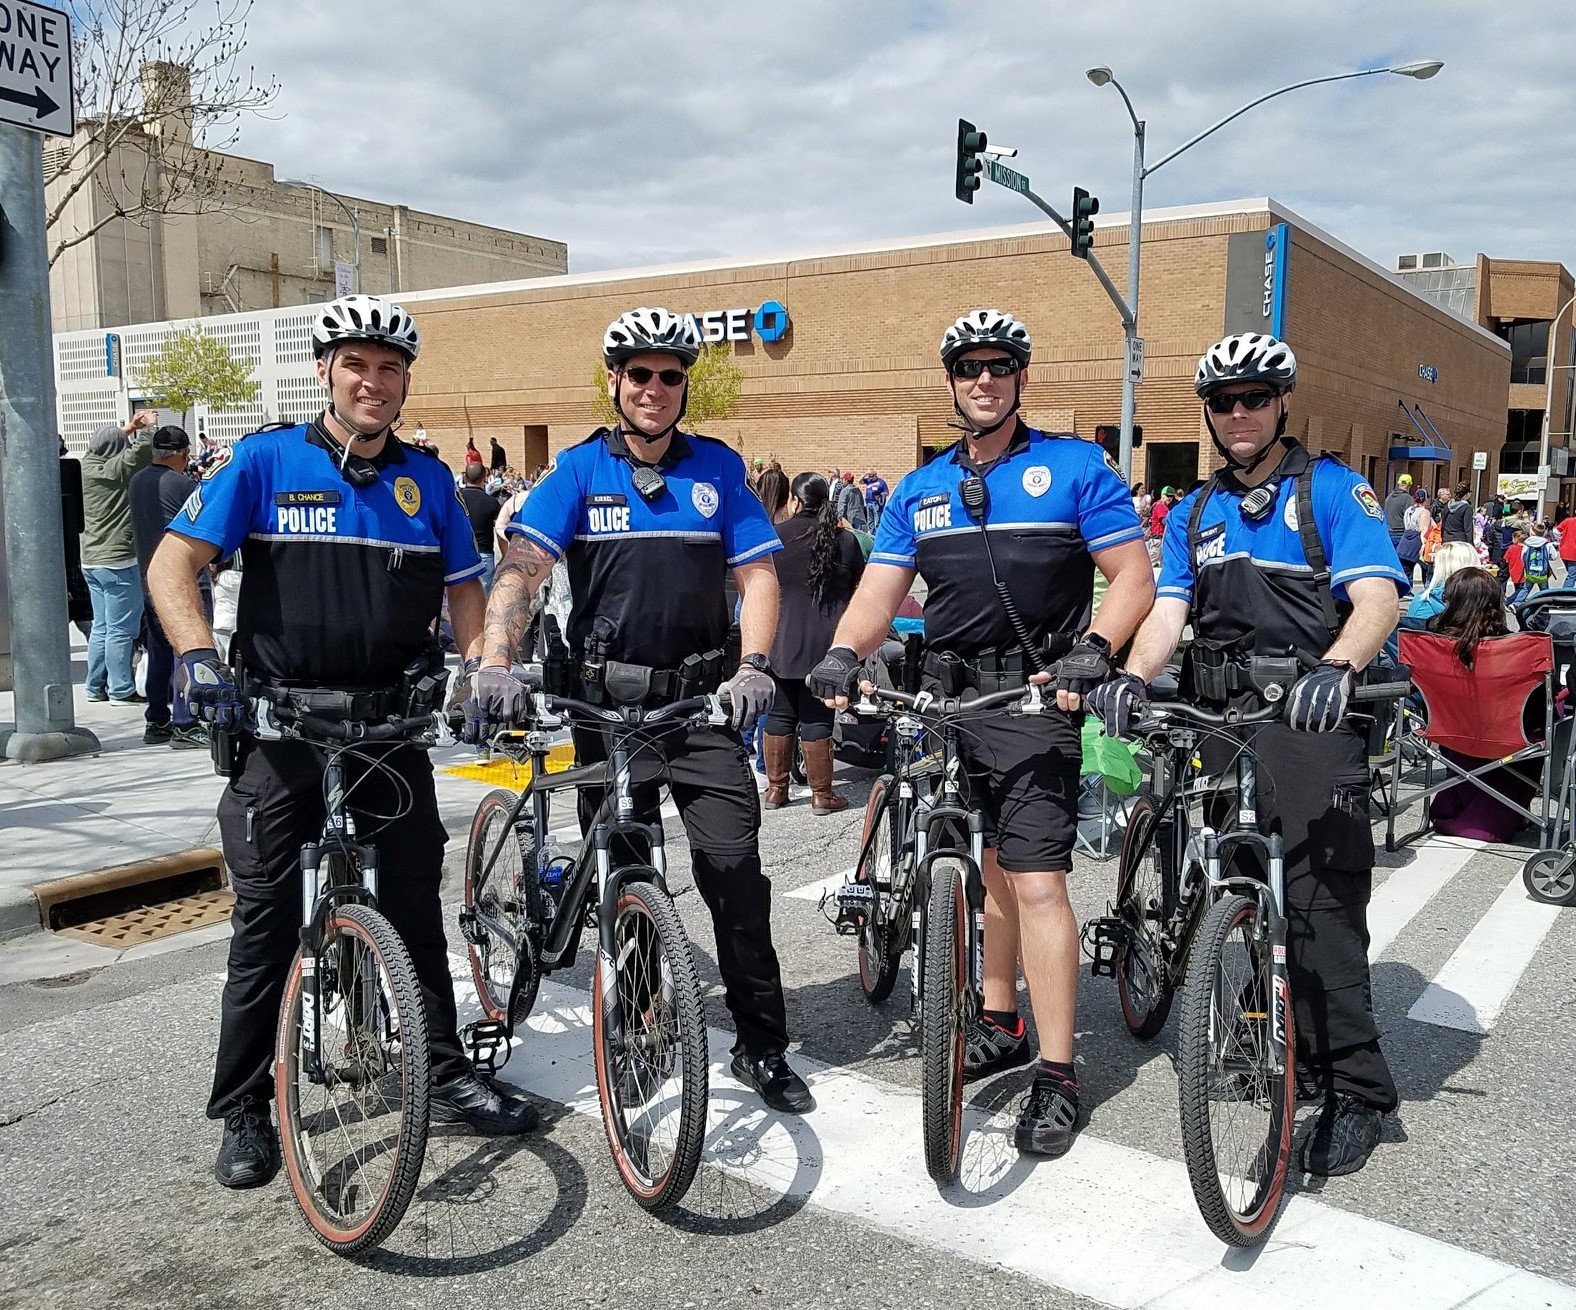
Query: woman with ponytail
[[817, 571]]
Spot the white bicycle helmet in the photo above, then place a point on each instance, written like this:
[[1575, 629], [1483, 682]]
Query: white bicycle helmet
[[365, 318], [659, 330], [986, 327], [1246, 357]]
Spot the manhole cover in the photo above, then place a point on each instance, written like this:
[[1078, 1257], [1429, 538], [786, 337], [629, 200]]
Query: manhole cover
[[151, 922]]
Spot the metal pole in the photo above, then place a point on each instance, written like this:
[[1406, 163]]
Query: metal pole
[[355, 228], [30, 468], [1135, 232]]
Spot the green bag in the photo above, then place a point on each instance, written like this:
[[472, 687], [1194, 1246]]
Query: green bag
[[1113, 760]]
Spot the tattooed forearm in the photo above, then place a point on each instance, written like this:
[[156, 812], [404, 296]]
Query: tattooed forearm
[[521, 572]]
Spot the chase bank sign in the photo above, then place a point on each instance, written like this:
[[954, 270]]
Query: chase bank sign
[[769, 322]]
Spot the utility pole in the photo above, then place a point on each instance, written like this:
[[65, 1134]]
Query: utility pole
[[30, 469]]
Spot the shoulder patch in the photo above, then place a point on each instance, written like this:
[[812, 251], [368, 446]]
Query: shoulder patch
[[1364, 496], [1111, 463], [221, 457]]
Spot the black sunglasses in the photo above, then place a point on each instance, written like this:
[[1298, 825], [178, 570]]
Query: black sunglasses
[[1224, 403], [997, 368], [670, 377]]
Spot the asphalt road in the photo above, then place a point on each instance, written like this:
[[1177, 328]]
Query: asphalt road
[[107, 1196]]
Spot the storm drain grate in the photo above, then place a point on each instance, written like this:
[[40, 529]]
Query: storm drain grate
[[151, 922]]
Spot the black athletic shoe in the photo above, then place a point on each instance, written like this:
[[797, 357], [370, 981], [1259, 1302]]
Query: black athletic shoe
[[1048, 1118], [778, 1085], [988, 1050], [157, 734], [482, 1105], [193, 737], [249, 1154], [1343, 1137]]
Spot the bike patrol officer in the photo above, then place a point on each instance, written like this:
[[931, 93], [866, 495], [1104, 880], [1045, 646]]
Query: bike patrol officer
[[351, 541], [650, 519], [1283, 554], [1007, 528]]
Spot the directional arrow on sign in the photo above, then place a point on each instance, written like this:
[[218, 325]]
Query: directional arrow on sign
[[42, 104]]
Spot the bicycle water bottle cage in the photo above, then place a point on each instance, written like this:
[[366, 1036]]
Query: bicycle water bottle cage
[[487, 1040]]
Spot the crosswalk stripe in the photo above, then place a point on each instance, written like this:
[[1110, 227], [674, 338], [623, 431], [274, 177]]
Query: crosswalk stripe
[[1402, 896], [1477, 980], [815, 890], [1106, 1221]]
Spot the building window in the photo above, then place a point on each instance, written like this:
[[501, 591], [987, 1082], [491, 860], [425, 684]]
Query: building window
[[1529, 347], [1406, 261], [324, 238], [380, 245]]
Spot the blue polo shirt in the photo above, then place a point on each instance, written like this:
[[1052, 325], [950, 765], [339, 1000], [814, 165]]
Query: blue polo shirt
[[656, 568], [342, 584], [1252, 577], [1054, 502]]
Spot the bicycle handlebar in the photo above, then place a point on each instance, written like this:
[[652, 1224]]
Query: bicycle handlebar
[[309, 727], [711, 707], [929, 705]]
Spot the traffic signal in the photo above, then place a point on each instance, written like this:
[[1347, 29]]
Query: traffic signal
[[970, 142], [1085, 207], [1109, 437]]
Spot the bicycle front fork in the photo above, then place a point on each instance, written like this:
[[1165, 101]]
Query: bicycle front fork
[[1269, 926], [316, 903]]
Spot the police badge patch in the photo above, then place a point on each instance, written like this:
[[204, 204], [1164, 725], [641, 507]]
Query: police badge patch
[[704, 497], [1037, 479], [407, 495]]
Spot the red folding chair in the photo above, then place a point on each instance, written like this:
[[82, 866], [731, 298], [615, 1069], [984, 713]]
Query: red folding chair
[[1478, 713]]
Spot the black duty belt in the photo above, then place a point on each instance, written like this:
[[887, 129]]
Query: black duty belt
[[331, 703], [640, 684], [990, 671]]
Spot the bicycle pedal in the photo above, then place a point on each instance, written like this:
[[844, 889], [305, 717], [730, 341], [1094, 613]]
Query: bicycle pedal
[[485, 1039], [1103, 938]]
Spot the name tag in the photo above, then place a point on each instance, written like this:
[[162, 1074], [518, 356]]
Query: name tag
[[307, 498], [607, 499]]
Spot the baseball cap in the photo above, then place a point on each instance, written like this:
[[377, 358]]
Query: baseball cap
[[1167, 491], [171, 438], [1405, 480]]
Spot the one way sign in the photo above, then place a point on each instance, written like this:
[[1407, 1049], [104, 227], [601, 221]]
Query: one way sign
[[35, 68]]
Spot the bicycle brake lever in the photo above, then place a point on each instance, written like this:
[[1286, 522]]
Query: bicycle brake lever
[[1034, 702], [716, 715]]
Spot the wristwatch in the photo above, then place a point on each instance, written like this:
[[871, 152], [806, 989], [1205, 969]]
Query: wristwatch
[[1098, 642], [757, 662]]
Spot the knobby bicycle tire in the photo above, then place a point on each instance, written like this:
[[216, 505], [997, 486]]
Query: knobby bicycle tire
[[942, 1020], [1245, 1219], [653, 1005], [1143, 975], [883, 934], [314, 1185], [495, 961]]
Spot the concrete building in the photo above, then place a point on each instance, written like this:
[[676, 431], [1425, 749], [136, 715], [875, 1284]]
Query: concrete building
[[265, 244], [1529, 305], [838, 348]]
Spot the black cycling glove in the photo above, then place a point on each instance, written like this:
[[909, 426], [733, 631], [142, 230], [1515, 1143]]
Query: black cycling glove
[[1117, 701], [210, 690], [498, 700], [1083, 669], [1318, 699], [836, 675]]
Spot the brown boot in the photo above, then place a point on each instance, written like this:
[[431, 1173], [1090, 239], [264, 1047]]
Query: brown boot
[[779, 758], [818, 773]]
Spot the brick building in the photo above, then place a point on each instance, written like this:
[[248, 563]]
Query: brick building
[[856, 380]]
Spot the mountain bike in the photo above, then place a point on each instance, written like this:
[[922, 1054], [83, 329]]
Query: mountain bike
[[525, 904], [1187, 918], [352, 1070], [939, 876]]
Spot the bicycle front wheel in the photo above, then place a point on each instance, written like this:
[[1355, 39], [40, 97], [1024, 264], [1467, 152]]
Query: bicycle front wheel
[[353, 1119], [1143, 982], [500, 872], [1237, 1106], [651, 1074], [884, 931], [943, 1019]]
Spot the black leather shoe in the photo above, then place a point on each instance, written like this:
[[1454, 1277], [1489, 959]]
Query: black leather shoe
[[483, 1105], [249, 1154], [779, 1086], [1343, 1137]]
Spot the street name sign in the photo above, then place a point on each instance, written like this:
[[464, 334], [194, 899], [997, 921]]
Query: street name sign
[[1004, 176], [35, 68]]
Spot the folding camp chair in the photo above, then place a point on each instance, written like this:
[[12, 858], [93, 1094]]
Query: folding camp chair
[[1474, 712]]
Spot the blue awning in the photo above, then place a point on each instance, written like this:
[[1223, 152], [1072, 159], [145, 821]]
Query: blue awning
[[1436, 454]]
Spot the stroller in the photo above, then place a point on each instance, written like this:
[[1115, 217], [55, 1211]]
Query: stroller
[[1549, 875]]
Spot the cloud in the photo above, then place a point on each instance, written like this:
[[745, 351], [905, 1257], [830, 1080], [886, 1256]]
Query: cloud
[[665, 131]]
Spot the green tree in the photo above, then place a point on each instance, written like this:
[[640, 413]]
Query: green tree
[[195, 368], [714, 381]]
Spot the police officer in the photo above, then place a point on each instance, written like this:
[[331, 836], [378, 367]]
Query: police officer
[[1244, 564], [1007, 528], [650, 520], [351, 541]]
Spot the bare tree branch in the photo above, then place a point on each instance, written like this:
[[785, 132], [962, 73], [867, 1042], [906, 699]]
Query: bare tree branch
[[161, 94]]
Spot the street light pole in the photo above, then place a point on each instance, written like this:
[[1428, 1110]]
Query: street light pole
[[353, 214], [1420, 69]]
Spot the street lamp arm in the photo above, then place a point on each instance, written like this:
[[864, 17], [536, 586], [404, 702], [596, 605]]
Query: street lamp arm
[[1252, 104]]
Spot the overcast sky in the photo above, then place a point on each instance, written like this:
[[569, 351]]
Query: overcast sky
[[651, 132]]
